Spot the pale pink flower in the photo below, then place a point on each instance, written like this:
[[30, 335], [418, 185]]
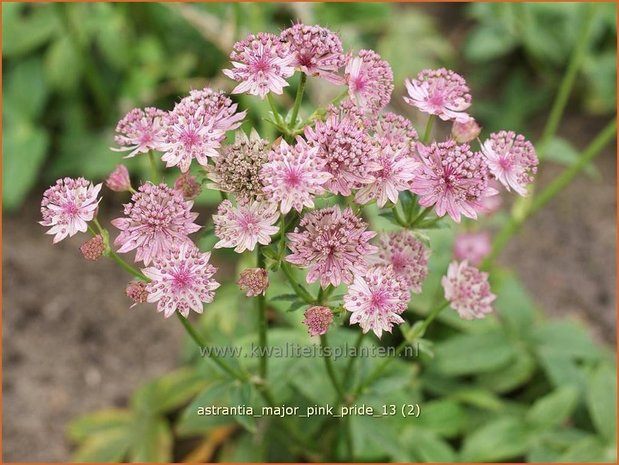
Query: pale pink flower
[[140, 131], [245, 225], [261, 64], [492, 204], [397, 133], [452, 178], [440, 92], [317, 319], [197, 126], [511, 159], [465, 132], [238, 168], [254, 281], [370, 80], [467, 290], [158, 220], [136, 291], [181, 280], [407, 257], [474, 247], [376, 300], [332, 244], [94, 248], [68, 206], [346, 150], [294, 175], [118, 180], [317, 51], [188, 185]]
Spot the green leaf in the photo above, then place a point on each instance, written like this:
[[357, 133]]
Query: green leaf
[[513, 303], [591, 450], [502, 439], [510, 376], [443, 417], [554, 409], [561, 369], [107, 446], [23, 31], [469, 354], [562, 151], [479, 398], [284, 297], [23, 152], [602, 400], [62, 64], [152, 440], [488, 43], [215, 394], [428, 447], [25, 91], [567, 338], [98, 422]]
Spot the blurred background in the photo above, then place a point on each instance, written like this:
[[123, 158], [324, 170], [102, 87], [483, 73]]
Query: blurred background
[[71, 71]]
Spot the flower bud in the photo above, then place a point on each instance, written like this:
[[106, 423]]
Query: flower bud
[[188, 185], [93, 248], [317, 319], [118, 180], [465, 132], [254, 281], [136, 291]]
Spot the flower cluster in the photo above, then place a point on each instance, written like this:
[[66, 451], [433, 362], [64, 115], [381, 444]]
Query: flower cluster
[[307, 198]]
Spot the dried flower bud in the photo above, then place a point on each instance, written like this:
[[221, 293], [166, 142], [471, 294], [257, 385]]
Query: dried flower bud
[[118, 180], [136, 291], [317, 319], [93, 248], [188, 185], [254, 281], [465, 132]]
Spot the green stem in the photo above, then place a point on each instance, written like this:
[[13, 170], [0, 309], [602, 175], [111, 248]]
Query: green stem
[[578, 54], [514, 224], [154, 168], [420, 217], [298, 289], [428, 131], [297, 102], [262, 320], [131, 270], [330, 371], [276, 115], [351, 361]]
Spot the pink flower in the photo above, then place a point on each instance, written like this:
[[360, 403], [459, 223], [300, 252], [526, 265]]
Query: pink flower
[[181, 280], [465, 132], [254, 281], [473, 247], [332, 244], [511, 159], [244, 226], [452, 178], [294, 175], [317, 51], [141, 131], [188, 185], [68, 206], [346, 150], [118, 180], [136, 291], [467, 290], [197, 126], [158, 220], [397, 133], [492, 204], [376, 300], [407, 257], [317, 319], [261, 63], [440, 92], [370, 80], [94, 248]]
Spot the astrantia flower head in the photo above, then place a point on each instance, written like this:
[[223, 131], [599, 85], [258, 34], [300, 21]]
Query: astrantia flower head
[[158, 220], [397, 133], [370, 80], [332, 244], [141, 131], [474, 247], [453, 178], [261, 63], [467, 290], [254, 281], [94, 248], [188, 185], [345, 148], [407, 257], [376, 300], [440, 92], [136, 291], [511, 159], [317, 319], [317, 51], [245, 225], [238, 168], [181, 280], [118, 180], [197, 126], [465, 132], [68, 206], [294, 175]]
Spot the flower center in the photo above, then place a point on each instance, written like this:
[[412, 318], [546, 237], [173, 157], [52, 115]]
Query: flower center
[[181, 279], [70, 208]]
